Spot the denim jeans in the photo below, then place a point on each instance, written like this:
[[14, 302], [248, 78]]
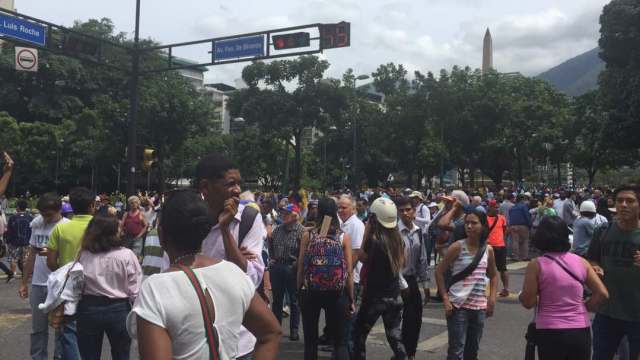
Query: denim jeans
[[69, 342], [40, 326], [351, 321], [283, 281], [100, 315], [607, 334], [465, 331]]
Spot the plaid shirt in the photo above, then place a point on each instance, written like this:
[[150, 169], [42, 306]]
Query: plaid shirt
[[285, 243]]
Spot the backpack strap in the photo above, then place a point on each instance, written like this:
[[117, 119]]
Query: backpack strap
[[208, 314], [247, 219]]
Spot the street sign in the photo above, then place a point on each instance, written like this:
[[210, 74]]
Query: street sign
[[22, 30], [26, 59], [251, 46]]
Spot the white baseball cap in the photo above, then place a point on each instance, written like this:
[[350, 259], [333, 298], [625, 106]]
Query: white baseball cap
[[386, 212], [588, 206]]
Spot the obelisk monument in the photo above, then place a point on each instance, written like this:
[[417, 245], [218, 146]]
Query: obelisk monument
[[487, 52]]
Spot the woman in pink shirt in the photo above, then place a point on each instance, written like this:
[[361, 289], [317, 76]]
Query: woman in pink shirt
[[554, 282], [112, 278]]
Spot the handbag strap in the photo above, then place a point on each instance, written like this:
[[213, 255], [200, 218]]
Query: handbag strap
[[564, 268], [207, 315]]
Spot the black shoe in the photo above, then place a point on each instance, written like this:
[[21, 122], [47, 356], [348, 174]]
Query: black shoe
[[10, 277], [324, 340], [294, 336]]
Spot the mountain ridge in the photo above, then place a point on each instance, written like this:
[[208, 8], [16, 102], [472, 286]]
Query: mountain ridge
[[577, 75]]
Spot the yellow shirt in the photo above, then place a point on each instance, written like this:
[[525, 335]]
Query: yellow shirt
[[66, 238]]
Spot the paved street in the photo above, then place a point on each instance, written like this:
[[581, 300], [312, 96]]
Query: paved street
[[503, 335]]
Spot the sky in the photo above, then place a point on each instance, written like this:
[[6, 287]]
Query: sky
[[529, 36]]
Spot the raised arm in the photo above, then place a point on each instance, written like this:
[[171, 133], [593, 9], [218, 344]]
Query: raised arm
[[7, 171]]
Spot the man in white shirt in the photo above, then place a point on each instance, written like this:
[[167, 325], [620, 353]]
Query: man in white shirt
[[219, 182], [50, 207], [354, 227]]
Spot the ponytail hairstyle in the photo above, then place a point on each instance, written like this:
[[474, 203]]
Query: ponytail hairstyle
[[328, 207]]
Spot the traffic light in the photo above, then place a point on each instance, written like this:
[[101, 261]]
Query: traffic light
[[290, 41], [148, 159]]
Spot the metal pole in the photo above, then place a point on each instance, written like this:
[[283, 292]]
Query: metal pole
[[355, 154], [441, 154], [133, 106]]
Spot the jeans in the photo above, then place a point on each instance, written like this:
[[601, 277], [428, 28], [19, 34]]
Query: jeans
[[40, 326], [283, 280], [465, 331], [248, 356], [411, 316], [607, 334], [98, 315], [135, 244], [334, 304], [351, 321], [69, 342], [370, 310]]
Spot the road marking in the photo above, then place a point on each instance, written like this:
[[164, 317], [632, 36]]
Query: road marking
[[434, 342], [9, 321], [517, 265]]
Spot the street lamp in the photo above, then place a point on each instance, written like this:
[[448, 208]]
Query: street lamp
[[58, 149], [355, 138]]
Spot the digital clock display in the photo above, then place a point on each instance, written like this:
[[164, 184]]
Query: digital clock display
[[335, 35]]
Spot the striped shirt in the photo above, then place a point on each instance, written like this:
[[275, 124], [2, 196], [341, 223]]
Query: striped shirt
[[470, 293]]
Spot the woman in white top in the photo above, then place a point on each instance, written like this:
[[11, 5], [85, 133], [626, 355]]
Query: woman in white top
[[167, 317]]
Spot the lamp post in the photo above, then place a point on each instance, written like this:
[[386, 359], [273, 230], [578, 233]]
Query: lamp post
[[355, 138], [59, 148], [324, 157]]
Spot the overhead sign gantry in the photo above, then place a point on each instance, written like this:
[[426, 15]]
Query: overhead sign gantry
[[275, 43]]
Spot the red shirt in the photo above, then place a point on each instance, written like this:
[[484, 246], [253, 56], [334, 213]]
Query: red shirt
[[496, 236]]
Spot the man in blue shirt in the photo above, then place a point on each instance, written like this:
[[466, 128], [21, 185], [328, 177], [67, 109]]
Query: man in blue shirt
[[519, 225]]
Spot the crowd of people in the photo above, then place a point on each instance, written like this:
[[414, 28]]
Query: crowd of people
[[207, 272]]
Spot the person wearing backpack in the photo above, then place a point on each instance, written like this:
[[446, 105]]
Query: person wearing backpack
[[383, 257], [325, 281], [554, 282], [464, 295]]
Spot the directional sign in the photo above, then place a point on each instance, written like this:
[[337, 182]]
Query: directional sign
[[21, 29], [251, 46], [26, 59]]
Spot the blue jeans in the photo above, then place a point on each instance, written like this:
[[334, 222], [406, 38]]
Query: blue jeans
[[97, 316], [69, 342], [465, 331], [283, 280], [607, 334], [40, 326]]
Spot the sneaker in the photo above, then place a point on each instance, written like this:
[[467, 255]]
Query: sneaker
[[10, 277], [294, 336], [285, 311], [504, 293]]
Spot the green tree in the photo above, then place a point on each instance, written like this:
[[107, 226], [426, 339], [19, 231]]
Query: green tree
[[620, 81], [283, 115]]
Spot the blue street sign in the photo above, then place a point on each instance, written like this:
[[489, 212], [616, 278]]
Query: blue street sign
[[22, 30], [238, 48]]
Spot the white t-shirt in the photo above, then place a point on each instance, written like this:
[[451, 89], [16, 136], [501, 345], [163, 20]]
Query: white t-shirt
[[169, 300], [355, 228], [40, 238]]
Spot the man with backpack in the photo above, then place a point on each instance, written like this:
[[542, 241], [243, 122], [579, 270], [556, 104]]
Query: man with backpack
[[18, 235], [238, 233]]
